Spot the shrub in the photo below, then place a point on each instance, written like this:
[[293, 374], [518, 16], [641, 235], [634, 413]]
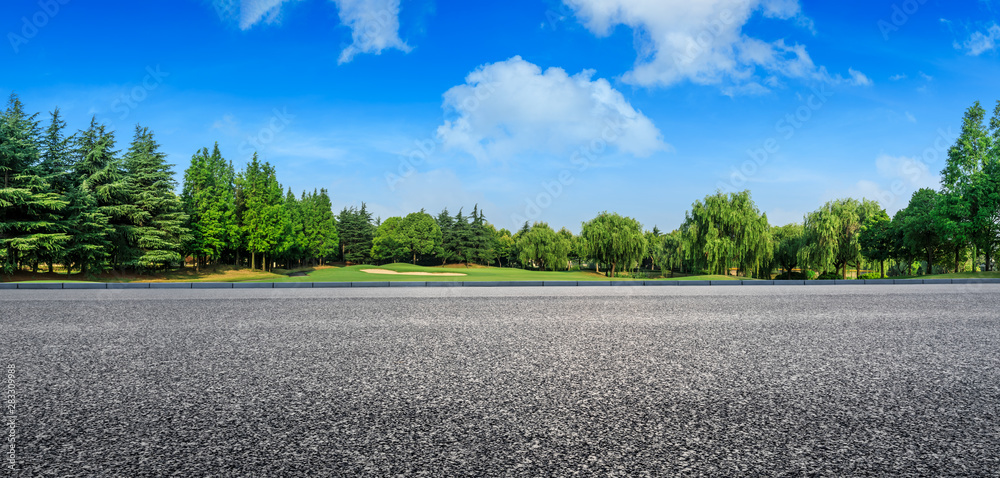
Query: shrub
[[807, 275], [830, 276], [871, 275]]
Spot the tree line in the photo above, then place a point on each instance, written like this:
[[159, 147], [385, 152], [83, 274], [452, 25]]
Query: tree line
[[76, 201]]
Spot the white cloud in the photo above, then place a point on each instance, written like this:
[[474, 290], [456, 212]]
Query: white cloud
[[910, 117], [897, 77], [512, 107], [374, 24], [247, 13], [703, 42], [900, 177], [981, 42], [858, 78]]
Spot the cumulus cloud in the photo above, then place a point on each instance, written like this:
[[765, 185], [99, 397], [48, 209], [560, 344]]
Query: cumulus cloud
[[513, 107], [374, 24], [899, 176], [981, 42], [702, 42]]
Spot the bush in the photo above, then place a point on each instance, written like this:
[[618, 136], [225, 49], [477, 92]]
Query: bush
[[807, 275], [830, 276], [871, 275]]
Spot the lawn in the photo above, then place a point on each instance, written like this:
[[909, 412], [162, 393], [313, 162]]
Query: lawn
[[355, 274]]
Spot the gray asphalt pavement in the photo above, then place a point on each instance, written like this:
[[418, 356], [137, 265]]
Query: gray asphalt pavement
[[678, 381]]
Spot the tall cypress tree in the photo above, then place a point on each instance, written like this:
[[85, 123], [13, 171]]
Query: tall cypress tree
[[209, 201], [262, 219], [30, 213], [320, 226]]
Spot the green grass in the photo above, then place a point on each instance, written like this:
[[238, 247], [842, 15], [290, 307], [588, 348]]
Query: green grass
[[955, 275], [355, 274]]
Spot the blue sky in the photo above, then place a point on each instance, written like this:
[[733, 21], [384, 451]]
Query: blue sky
[[536, 110]]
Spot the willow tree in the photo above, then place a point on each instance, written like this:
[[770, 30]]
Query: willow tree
[[542, 246], [787, 243], [669, 251], [615, 240], [833, 234], [729, 231]]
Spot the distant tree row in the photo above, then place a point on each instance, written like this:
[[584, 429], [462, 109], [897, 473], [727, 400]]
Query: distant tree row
[[74, 200]]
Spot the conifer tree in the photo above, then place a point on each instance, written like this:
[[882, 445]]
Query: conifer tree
[[30, 213], [158, 223]]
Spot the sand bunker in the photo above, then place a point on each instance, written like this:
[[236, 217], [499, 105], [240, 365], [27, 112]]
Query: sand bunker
[[387, 271]]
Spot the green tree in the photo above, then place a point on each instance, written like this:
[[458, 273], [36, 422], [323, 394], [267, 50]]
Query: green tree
[[389, 242], [729, 231], [542, 247], [209, 197], [832, 235], [356, 234], [263, 220], [505, 248], [787, 243], [919, 231], [876, 240], [671, 250], [614, 240], [321, 231], [31, 227], [966, 215], [419, 234], [159, 220]]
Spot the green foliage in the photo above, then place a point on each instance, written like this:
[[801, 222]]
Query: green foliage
[[32, 228], [788, 241], [263, 219], [832, 234], [209, 198], [871, 276], [614, 240], [388, 242], [542, 247], [158, 222], [729, 231], [419, 235], [356, 233]]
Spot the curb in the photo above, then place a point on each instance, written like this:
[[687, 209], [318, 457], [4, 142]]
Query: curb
[[319, 285]]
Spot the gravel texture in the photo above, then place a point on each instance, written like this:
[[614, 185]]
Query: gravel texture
[[776, 381]]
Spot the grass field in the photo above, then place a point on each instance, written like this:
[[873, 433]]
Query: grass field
[[355, 274]]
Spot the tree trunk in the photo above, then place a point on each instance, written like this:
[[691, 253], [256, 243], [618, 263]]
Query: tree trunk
[[988, 268], [957, 249], [930, 259], [883, 269], [613, 270], [414, 258], [253, 260]]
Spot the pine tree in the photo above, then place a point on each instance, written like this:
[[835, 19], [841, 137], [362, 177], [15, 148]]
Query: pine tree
[[159, 219], [56, 169], [103, 177], [356, 232], [30, 213]]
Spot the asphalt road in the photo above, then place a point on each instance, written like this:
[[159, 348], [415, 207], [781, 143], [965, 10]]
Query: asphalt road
[[771, 381]]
